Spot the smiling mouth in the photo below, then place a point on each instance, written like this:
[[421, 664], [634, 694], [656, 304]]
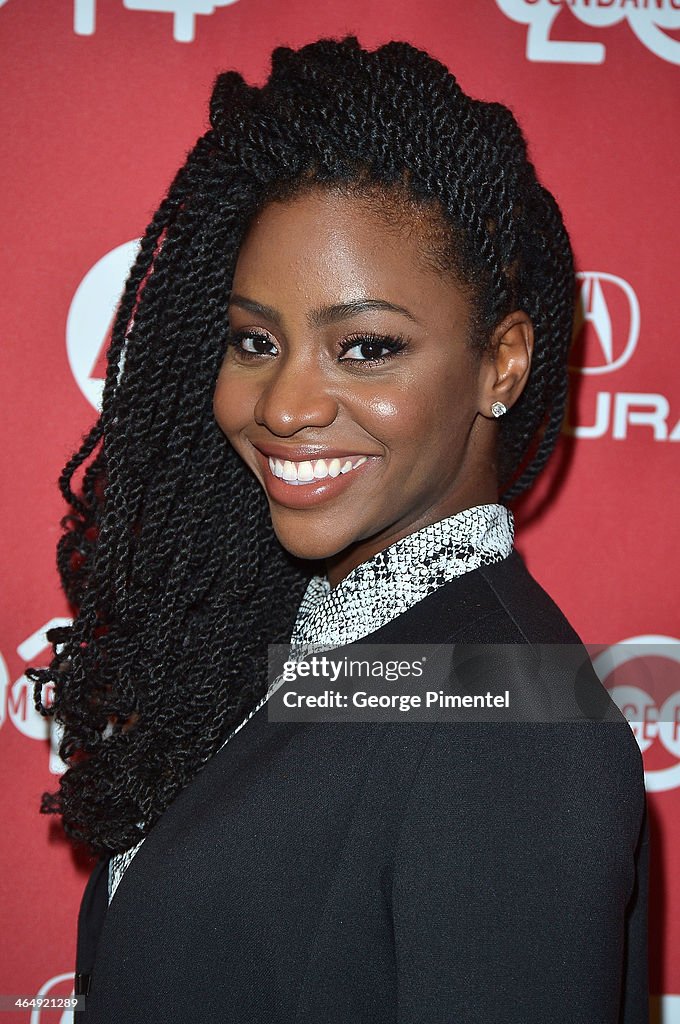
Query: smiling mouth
[[312, 471]]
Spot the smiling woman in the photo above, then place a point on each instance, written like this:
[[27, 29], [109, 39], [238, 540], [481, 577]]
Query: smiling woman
[[346, 344], [340, 354]]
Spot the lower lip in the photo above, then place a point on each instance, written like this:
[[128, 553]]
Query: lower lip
[[309, 494]]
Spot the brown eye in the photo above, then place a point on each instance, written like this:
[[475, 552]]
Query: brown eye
[[251, 344], [371, 347]]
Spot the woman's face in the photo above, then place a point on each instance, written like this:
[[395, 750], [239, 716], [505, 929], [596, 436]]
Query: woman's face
[[350, 375]]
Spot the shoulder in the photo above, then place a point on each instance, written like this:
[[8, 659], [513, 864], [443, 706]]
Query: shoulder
[[571, 763], [522, 610], [497, 603], [570, 736]]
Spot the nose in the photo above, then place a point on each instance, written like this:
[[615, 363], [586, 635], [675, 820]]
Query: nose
[[297, 395]]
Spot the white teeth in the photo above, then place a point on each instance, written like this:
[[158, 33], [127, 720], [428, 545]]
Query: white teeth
[[305, 472]]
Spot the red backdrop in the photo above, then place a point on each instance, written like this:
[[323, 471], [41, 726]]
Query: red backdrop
[[102, 99]]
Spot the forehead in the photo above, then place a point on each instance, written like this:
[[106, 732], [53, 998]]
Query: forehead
[[328, 245]]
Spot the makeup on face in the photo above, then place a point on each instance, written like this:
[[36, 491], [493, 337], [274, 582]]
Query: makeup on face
[[348, 385]]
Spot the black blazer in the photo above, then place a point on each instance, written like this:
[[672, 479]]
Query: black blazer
[[375, 873]]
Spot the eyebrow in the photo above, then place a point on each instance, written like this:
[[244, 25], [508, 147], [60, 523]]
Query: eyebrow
[[325, 314]]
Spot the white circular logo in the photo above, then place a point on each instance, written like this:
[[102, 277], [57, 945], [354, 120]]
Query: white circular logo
[[649, 702], [90, 316], [59, 987], [607, 323]]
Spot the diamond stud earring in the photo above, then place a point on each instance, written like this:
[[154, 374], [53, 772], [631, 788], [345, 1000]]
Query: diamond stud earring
[[497, 409]]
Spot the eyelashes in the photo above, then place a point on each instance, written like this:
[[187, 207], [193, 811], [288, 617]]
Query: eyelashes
[[365, 342], [394, 343], [235, 340]]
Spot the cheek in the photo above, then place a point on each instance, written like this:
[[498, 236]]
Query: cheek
[[406, 417], [428, 420], [232, 404]]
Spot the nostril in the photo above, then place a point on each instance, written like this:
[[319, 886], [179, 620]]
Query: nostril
[[283, 408]]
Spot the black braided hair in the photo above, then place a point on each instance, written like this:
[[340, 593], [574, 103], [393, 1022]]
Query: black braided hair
[[168, 555]]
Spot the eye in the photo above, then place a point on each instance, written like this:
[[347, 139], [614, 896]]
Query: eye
[[250, 344], [370, 345]]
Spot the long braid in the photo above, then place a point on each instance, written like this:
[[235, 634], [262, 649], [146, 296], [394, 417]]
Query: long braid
[[169, 556]]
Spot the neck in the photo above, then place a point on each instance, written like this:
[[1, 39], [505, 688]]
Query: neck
[[340, 565]]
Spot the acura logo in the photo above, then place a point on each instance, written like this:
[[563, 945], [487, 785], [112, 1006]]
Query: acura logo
[[607, 323]]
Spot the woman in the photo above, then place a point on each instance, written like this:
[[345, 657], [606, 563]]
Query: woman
[[340, 353]]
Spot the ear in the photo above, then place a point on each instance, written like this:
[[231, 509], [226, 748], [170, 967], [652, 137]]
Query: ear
[[508, 362]]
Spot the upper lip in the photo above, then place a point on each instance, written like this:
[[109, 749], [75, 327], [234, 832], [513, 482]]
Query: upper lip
[[305, 452]]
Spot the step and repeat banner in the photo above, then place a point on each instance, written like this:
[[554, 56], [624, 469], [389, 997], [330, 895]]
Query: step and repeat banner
[[101, 100]]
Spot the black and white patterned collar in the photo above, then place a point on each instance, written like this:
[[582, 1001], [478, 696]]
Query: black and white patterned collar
[[396, 578]]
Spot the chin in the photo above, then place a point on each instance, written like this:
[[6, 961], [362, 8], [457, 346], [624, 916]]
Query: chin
[[315, 545]]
